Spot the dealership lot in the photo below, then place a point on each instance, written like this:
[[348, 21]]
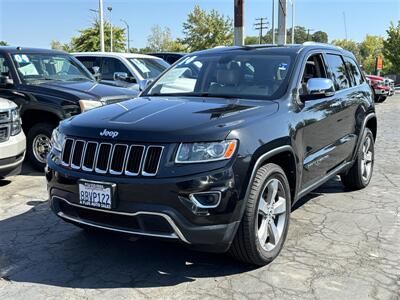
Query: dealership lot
[[343, 245]]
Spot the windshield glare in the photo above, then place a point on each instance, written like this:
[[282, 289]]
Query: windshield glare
[[149, 67], [234, 74], [35, 68]]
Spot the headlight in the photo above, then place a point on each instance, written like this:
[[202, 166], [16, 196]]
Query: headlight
[[86, 105], [57, 139], [205, 152], [15, 122]]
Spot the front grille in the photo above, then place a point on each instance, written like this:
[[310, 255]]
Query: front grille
[[4, 116], [4, 133], [114, 159]]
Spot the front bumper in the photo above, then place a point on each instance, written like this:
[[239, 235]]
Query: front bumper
[[12, 154], [154, 207]]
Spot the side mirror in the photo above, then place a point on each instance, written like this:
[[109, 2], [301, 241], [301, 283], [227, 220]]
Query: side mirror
[[318, 88], [95, 72], [6, 81], [123, 76], [143, 84]]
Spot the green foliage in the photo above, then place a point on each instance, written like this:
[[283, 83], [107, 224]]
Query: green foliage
[[89, 39], [160, 40], [370, 49], [391, 47], [251, 40], [351, 46], [3, 43], [320, 37], [57, 45], [203, 30]]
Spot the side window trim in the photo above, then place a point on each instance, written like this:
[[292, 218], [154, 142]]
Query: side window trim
[[304, 62]]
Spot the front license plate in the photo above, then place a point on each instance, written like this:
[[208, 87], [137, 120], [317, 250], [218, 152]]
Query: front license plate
[[96, 194]]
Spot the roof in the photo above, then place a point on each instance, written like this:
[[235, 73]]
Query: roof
[[114, 54], [291, 48], [167, 52], [18, 49]]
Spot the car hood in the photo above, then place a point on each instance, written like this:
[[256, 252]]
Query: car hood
[[88, 90], [157, 119]]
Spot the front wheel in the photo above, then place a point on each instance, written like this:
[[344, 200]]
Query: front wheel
[[263, 229], [360, 174], [39, 144]]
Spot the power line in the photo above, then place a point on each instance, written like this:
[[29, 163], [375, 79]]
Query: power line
[[261, 24]]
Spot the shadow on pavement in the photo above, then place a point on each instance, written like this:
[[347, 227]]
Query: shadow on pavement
[[28, 169], [37, 247]]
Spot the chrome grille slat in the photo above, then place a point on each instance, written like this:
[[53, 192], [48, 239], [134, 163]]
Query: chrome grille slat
[[114, 159]]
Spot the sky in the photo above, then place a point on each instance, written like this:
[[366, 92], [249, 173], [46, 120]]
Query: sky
[[36, 23]]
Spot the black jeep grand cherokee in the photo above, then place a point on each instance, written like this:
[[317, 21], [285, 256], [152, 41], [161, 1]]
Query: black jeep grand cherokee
[[217, 150]]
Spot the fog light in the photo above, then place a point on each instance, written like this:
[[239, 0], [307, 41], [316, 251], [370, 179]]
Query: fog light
[[206, 199]]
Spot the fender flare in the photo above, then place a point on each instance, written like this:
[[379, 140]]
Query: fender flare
[[366, 119]]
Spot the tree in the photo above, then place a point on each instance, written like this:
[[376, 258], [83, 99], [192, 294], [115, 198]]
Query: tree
[[320, 37], [57, 45], [391, 47], [3, 43], [370, 49], [89, 38], [160, 40], [351, 46], [251, 40], [203, 30]]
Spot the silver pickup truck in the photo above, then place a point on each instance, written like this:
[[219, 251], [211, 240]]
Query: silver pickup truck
[[12, 139]]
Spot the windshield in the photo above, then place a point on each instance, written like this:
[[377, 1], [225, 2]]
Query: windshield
[[149, 67], [36, 68], [234, 74]]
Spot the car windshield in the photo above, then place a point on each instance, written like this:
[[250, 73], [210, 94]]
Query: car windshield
[[149, 67], [233, 74], [37, 68]]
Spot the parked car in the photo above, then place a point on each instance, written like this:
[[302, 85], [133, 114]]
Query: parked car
[[12, 139], [380, 88], [390, 83], [122, 69], [169, 57], [49, 86], [218, 163]]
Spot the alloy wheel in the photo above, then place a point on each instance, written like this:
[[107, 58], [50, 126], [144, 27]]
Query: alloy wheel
[[367, 159], [41, 147]]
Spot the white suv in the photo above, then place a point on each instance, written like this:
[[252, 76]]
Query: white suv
[[122, 69], [12, 139]]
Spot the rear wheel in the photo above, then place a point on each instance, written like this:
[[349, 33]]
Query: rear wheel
[[360, 174], [39, 144], [382, 99], [263, 229]]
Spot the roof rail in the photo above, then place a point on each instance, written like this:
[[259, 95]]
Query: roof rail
[[309, 43]]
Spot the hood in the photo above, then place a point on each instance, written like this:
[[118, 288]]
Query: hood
[[157, 119], [88, 90]]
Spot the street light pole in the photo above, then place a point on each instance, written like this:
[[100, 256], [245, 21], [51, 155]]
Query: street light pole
[[127, 33], [292, 1], [111, 29], [273, 21], [239, 22], [101, 17]]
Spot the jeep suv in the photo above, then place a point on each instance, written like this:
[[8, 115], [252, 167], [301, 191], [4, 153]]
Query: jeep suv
[[218, 149], [49, 86]]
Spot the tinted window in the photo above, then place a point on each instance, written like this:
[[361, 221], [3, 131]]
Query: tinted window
[[3, 67], [89, 62], [354, 71], [247, 74], [337, 71], [110, 66]]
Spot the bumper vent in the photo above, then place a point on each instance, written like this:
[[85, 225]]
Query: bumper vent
[[114, 159]]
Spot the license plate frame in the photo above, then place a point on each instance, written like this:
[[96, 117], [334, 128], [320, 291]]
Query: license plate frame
[[95, 194]]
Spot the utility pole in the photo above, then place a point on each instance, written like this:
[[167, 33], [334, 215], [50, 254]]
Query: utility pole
[[273, 21], [127, 33], [261, 24], [308, 33], [101, 17], [293, 12], [111, 30], [282, 10], [239, 23], [345, 24]]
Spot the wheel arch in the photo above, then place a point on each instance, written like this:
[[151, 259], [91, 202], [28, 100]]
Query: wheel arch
[[31, 117]]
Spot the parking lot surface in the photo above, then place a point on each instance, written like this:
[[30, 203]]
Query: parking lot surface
[[341, 245]]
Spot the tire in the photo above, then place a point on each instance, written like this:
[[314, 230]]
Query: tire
[[41, 131], [382, 99], [247, 245], [360, 174]]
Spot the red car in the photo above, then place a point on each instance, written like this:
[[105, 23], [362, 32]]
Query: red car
[[380, 88]]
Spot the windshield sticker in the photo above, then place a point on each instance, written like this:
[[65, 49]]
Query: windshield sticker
[[283, 66], [21, 58]]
